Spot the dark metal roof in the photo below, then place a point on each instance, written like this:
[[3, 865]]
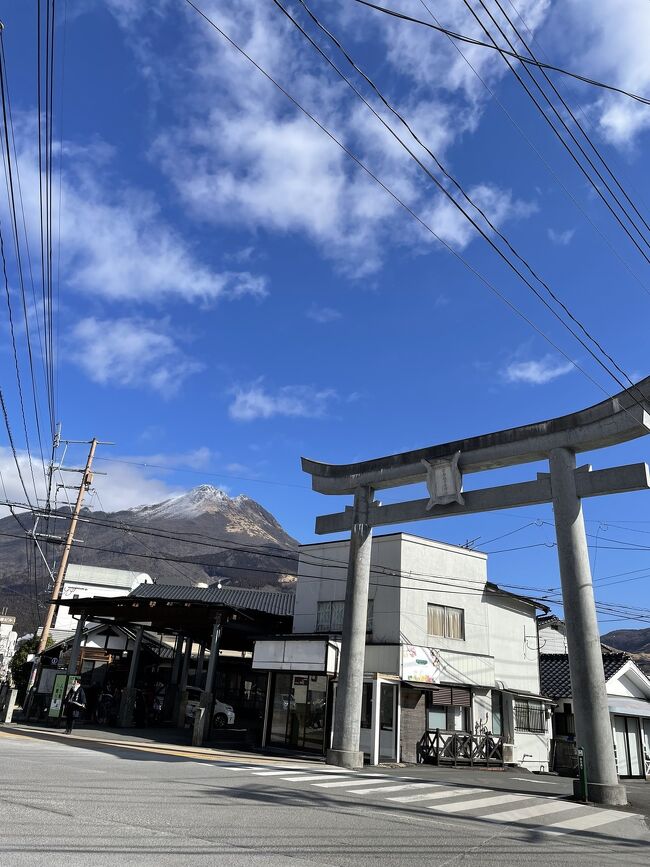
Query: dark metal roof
[[555, 678], [275, 602]]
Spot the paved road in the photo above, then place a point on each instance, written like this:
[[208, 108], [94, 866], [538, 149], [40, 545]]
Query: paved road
[[81, 800]]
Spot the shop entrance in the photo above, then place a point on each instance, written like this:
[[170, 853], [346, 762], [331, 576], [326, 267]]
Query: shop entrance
[[628, 748], [299, 711]]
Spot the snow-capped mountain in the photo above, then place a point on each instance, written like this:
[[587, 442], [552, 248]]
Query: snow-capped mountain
[[195, 537]]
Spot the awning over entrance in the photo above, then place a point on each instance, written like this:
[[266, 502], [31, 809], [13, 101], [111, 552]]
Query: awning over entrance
[[629, 706]]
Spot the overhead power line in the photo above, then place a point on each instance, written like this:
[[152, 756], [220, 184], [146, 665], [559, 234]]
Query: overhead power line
[[564, 142], [397, 199], [527, 61], [505, 258]]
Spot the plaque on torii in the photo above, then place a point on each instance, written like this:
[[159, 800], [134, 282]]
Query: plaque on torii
[[442, 467]]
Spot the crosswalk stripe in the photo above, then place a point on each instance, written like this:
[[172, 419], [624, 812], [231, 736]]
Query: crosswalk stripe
[[531, 812], [304, 778], [271, 773], [350, 781], [493, 800], [365, 784], [399, 788], [595, 818], [447, 792]]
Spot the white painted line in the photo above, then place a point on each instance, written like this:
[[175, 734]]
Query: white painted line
[[306, 778], [532, 812], [440, 793], [593, 819], [458, 807], [535, 780], [350, 781], [399, 788], [270, 773]]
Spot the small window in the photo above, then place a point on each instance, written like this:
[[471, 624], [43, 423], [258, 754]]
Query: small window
[[366, 706], [445, 621], [329, 616], [529, 716]]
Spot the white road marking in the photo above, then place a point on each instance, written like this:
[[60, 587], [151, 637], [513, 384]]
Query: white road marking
[[401, 787], [307, 778], [458, 807], [528, 780], [444, 793], [271, 773], [531, 812], [595, 818], [355, 782], [350, 781]]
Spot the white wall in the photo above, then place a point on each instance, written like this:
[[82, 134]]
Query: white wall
[[82, 590], [513, 643], [552, 638]]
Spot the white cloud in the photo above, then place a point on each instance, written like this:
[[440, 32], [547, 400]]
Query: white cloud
[[499, 205], [294, 401], [123, 486], [239, 154], [605, 40], [323, 315], [561, 238], [130, 352], [537, 372], [114, 240]]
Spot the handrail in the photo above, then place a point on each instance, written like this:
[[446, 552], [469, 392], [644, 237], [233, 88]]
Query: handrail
[[451, 747]]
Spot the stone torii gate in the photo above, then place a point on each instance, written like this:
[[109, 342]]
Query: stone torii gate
[[442, 467]]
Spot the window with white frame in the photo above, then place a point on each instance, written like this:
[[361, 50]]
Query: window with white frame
[[529, 716], [329, 616], [445, 621]]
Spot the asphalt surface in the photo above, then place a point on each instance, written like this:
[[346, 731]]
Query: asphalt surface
[[107, 799]]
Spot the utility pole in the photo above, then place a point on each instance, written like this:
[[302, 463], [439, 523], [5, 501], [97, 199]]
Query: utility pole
[[86, 481]]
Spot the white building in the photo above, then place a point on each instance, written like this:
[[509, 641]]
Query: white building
[[628, 697], [7, 643], [82, 581], [448, 653]]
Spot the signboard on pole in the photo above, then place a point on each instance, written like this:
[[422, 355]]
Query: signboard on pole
[[58, 695], [420, 664]]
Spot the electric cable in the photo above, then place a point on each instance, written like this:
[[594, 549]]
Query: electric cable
[[524, 60], [458, 186], [396, 198]]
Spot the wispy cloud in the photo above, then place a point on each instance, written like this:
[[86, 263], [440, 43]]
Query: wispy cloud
[[323, 315], [293, 401], [536, 371], [114, 240], [137, 353], [561, 238]]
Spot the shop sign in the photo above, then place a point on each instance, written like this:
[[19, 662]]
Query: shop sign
[[420, 664], [58, 695]]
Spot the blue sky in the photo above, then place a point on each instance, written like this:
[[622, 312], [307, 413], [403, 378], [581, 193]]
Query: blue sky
[[235, 293]]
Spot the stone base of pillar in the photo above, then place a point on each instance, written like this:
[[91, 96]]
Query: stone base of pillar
[[601, 793], [182, 706], [7, 711], [202, 720], [127, 706], [350, 759]]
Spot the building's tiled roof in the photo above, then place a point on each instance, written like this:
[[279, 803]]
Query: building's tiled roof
[[275, 602], [555, 679], [548, 619]]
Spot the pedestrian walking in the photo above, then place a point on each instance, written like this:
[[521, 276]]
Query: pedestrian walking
[[75, 702]]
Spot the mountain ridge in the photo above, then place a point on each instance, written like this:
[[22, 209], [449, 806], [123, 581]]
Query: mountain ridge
[[209, 533]]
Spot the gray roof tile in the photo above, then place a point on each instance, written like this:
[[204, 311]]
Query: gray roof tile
[[275, 602]]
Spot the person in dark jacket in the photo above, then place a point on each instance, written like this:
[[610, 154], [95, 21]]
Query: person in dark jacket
[[75, 702]]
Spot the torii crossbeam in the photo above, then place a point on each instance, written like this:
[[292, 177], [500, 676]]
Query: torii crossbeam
[[615, 420]]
